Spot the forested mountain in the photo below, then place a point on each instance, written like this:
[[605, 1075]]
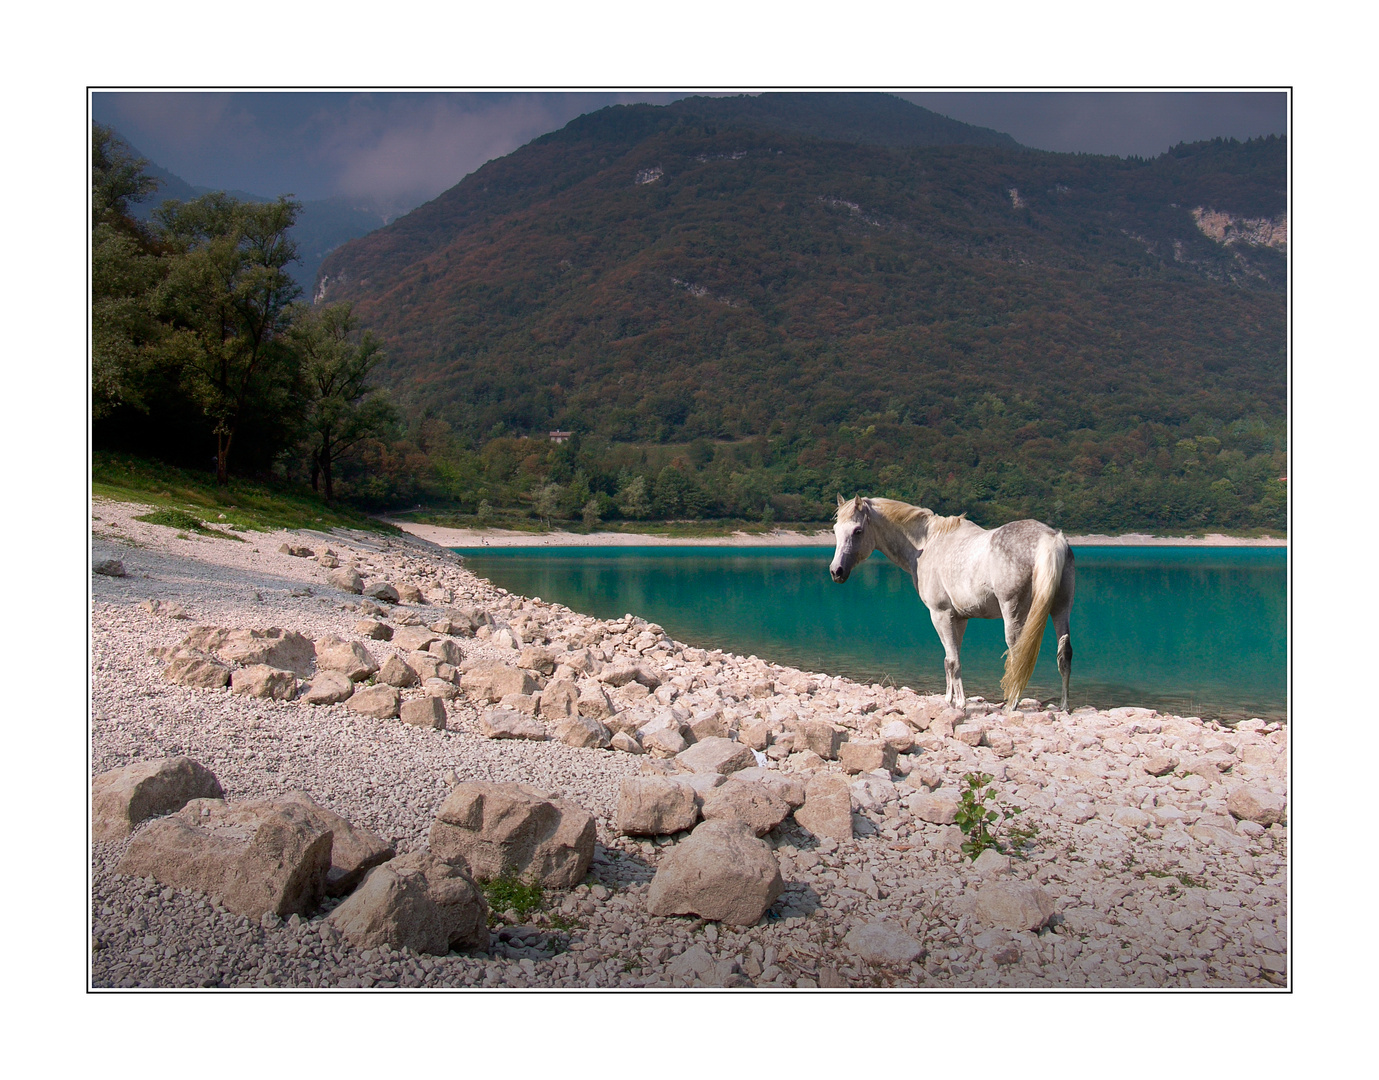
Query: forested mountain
[[782, 297], [321, 226]]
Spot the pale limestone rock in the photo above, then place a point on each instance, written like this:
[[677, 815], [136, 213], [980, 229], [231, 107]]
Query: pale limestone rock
[[865, 756], [655, 806], [122, 798], [199, 672], [382, 702], [347, 657], [416, 901], [262, 681], [827, 809], [427, 712], [749, 802], [327, 688], [1255, 803], [514, 829], [717, 755], [1013, 905], [884, 944], [510, 724], [721, 872]]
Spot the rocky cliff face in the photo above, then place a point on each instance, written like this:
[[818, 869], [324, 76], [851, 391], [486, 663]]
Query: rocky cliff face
[[1226, 229]]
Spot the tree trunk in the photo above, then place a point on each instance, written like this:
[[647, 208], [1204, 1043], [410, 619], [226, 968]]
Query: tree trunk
[[222, 459], [315, 472], [325, 472]]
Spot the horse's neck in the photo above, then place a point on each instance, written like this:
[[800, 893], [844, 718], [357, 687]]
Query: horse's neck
[[897, 544]]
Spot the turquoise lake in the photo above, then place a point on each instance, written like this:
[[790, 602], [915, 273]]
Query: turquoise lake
[[1190, 630]]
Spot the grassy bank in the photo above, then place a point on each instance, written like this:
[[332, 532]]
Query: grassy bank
[[246, 505]]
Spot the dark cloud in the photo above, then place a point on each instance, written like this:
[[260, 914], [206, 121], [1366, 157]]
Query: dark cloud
[[396, 150], [1122, 123]]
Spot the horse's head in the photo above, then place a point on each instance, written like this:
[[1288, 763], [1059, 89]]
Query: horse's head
[[853, 537]]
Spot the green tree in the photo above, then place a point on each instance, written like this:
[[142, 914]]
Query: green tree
[[633, 500], [228, 298], [125, 268], [591, 513], [342, 408], [546, 502]]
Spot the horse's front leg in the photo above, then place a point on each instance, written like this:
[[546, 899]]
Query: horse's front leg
[[950, 630]]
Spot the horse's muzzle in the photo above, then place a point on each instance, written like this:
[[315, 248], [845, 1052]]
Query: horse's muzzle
[[839, 575]]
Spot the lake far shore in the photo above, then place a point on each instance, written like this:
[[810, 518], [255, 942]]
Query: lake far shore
[[455, 538]]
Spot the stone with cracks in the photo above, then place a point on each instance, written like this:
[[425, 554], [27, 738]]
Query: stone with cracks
[[262, 681], [781, 785], [397, 672], [416, 901], [898, 735], [414, 638], [884, 944], [594, 701], [666, 742], [257, 858], [539, 660], [655, 806], [109, 568], [347, 657], [560, 700], [328, 688], [408, 593], [1160, 764], [1013, 905], [827, 809], [382, 702], [511, 724], [441, 688], [1257, 804], [354, 851], [861, 757], [372, 628], [446, 651], [427, 712], [721, 872], [383, 591], [496, 681], [626, 742], [752, 803], [622, 674], [583, 731], [122, 798], [937, 808], [821, 737], [286, 650], [515, 829], [717, 755], [199, 672], [346, 580]]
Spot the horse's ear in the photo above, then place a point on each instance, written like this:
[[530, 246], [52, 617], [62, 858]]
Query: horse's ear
[[841, 500], [857, 503]]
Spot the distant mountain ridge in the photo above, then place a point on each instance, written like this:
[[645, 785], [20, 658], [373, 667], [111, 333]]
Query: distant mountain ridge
[[322, 225]]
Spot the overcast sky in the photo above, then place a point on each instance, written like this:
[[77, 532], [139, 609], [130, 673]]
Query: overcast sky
[[401, 149]]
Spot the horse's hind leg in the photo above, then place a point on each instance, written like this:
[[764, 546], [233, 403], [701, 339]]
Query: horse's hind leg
[[1062, 614], [950, 630]]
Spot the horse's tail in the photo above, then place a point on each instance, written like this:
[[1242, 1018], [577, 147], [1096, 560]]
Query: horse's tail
[[1049, 560]]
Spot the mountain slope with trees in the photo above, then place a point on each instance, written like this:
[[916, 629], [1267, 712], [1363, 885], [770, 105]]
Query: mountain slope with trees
[[740, 310]]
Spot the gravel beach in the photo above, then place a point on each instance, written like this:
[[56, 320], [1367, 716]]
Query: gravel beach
[[1145, 843]]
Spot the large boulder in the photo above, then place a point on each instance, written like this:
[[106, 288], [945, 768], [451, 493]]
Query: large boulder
[[397, 672], [827, 809], [510, 724], [109, 568], [1015, 905], [821, 737], [346, 580], [560, 700], [496, 681], [594, 701], [1257, 804], [382, 702], [716, 755], [383, 591], [327, 688], [285, 650], [938, 808], [745, 801], [253, 858], [262, 681], [655, 806], [866, 756], [883, 943], [414, 638], [372, 628], [515, 829], [427, 712], [721, 872], [409, 593], [416, 901], [354, 851], [583, 731], [446, 651], [620, 674], [122, 798], [350, 658], [199, 672], [789, 789]]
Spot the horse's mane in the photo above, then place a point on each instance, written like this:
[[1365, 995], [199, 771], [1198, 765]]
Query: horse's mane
[[904, 515]]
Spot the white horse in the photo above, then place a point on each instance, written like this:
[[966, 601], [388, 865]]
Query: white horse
[[1021, 572]]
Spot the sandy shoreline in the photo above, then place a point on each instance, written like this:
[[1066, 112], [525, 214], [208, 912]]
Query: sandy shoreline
[[452, 538]]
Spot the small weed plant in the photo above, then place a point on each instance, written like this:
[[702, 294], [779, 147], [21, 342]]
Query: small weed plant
[[982, 824], [511, 893]]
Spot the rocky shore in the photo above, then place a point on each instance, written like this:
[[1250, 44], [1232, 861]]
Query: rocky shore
[[693, 818]]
